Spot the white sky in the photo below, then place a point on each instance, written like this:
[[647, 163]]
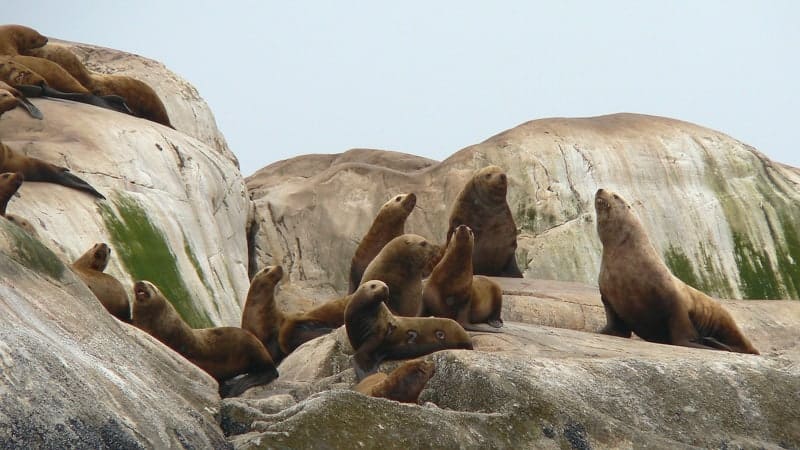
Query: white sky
[[431, 77]]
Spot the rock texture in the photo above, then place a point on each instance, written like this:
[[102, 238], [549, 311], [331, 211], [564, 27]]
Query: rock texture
[[540, 387], [722, 214]]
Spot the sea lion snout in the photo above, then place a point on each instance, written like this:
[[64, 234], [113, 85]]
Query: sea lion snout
[[142, 290]]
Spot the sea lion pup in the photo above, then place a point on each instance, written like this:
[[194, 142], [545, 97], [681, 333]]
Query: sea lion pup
[[641, 295], [482, 206], [112, 295], [389, 223], [453, 292], [223, 352], [401, 264], [11, 97], [15, 39], [377, 335], [403, 384], [298, 329], [37, 170], [138, 95], [260, 315]]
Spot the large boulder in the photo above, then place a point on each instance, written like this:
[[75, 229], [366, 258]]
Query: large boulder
[[535, 386], [722, 214]]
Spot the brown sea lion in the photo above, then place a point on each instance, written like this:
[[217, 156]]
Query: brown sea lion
[[401, 264], [54, 75], [138, 95], [223, 352], [112, 295], [389, 223], [298, 329], [377, 335], [9, 185], [261, 315], [18, 38], [403, 384], [11, 97], [452, 290], [37, 170], [641, 295], [482, 206]]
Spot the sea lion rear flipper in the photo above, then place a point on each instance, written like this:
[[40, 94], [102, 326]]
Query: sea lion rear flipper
[[712, 342], [482, 327], [66, 178], [364, 364], [31, 108], [236, 386]]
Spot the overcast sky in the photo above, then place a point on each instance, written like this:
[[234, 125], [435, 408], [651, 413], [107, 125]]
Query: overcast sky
[[431, 77]]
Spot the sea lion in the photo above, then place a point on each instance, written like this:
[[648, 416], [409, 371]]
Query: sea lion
[[54, 75], [376, 334], [482, 206], [298, 329], [11, 97], [37, 170], [452, 290], [9, 185], [18, 38], [403, 384], [389, 223], [138, 95], [24, 224], [112, 295], [401, 264], [223, 352], [641, 295], [260, 315]]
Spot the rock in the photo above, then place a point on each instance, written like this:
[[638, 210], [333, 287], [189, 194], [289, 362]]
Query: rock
[[75, 377], [722, 214], [534, 386]]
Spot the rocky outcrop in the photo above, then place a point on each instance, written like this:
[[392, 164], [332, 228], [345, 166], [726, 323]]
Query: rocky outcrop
[[535, 386], [722, 214]]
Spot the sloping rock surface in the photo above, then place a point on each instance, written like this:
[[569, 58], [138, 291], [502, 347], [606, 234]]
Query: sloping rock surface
[[722, 214]]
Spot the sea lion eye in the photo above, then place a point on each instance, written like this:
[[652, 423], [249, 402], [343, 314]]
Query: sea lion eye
[[397, 199], [616, 197], [423, 243], [488, 175], [440, 335]]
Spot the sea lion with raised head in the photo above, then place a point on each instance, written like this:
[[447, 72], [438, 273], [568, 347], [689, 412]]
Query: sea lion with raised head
[[452, 290], [37, 170], [401, 264], [298, 329], [377, 335], [640, 295], [403, 384], [112, 295], [223, 352], [15, 39], [261, 315], [389, 223], [482, 206]]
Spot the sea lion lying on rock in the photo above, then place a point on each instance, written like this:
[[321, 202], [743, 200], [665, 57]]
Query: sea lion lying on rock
[[403, 384]]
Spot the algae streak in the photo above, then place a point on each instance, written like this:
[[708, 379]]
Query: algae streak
[[32, 254], [146, 255]]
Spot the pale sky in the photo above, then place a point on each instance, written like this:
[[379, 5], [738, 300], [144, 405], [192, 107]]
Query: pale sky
[[431, 77]]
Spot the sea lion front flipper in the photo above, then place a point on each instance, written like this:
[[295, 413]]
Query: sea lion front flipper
[[33, 111], [66, 178], [236, 386], [712, 342], [614, 324], [481, 327], [117, 103], [364, 364]]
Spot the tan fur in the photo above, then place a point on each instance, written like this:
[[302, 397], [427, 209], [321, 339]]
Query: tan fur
[[112, 295], [260, 315], [401, 264], [223, 352], [54, 75], [18, 38], [641, 295], [9, 184], [376, 334], [17, 74], [482, 206], [298, 329], [388, 224], [403, 384], [7, 100]]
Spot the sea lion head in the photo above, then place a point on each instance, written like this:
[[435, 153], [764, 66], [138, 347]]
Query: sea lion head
[[493, 181], [463, 234], [400, 203], [267, 278], [419, 252], [614, 216], [371, 292], [25, 37], [146, 294], [7, 101], [101, 253], [9, 184]]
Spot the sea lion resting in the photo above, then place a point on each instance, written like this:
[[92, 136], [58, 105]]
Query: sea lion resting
[[403, 384], [11, 97], [389, 223], [641, 295], [452, 290], [37, 170], [15, 39], [9, 184], [482, 206], [377, 335], [108, 290], [260, 315], [223, 352], [298, 329]]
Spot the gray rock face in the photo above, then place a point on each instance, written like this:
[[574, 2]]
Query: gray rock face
[[534, 386], [723, 215]]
